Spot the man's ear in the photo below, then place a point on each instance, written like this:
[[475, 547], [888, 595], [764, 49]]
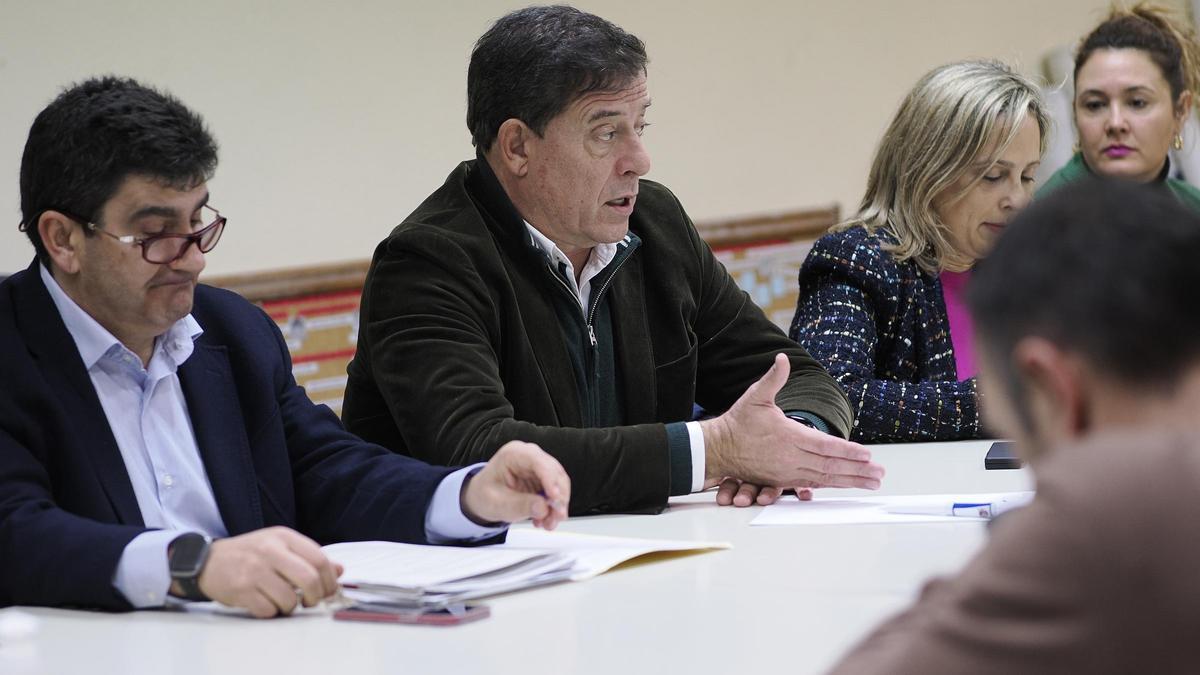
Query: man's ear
[[62, 239], [1058, 395], [512, 146]]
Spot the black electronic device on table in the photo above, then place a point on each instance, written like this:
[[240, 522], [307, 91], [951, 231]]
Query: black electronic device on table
[[1002, 455]]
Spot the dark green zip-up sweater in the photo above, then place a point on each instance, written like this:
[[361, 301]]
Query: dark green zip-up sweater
[[463, 346], [588, 336]]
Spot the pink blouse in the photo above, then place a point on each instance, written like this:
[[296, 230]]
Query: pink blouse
[[961, 331]]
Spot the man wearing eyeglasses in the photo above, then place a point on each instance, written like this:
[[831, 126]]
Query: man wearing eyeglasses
[[152, 439]]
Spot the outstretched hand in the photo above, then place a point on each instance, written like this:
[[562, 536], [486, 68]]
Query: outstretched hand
[[739, 493], [757, 446]]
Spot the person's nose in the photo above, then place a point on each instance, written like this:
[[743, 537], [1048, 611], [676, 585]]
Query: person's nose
[[1018, 196], [192, 259], [636, 159], [1115, 123], [1022, 196]]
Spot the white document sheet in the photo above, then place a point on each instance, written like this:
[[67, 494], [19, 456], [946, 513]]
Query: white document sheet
[[595, 554], [868, 510], [409, 565], [431, 574], [435, 575]]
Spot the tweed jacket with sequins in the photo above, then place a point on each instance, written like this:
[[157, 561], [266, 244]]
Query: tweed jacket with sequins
[[880, 327]]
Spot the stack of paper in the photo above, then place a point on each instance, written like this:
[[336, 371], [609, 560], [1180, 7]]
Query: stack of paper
[[434, 576]]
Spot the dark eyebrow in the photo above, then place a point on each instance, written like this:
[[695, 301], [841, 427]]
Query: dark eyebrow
[[164, 211], [603, 114], [1126, 90]]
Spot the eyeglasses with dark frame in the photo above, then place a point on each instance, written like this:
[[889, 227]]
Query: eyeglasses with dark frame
[[165, 248]]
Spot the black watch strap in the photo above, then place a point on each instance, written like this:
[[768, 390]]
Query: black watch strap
[[190, 587], [186, 556]]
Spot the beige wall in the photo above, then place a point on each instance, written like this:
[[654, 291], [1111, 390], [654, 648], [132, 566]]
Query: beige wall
[[336, 118]]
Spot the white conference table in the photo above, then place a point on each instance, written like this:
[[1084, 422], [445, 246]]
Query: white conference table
[[790, 597]]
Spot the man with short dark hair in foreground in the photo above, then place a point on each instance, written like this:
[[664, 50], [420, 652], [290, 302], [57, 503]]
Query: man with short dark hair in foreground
[[1087, 319], [152, 437]]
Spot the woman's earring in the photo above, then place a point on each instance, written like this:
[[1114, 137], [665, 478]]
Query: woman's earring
[[1075, 148], [1178, 142]]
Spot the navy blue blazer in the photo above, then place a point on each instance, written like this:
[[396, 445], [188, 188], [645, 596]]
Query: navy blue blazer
[[67, 508], [880, 327]]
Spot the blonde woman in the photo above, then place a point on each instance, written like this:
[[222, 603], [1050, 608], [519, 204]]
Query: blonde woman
[[881, 295], [1134, 78]]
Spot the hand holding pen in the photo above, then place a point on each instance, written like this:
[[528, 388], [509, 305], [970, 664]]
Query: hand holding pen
[[520, 481]]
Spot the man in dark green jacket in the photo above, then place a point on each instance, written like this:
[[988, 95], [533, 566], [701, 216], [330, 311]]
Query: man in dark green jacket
[[545, 293]]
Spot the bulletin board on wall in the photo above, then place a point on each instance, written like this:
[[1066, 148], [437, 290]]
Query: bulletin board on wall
[[316, 307], [764, 253]]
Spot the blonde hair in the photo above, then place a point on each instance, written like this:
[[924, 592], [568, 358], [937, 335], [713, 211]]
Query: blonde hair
[[943, 127]]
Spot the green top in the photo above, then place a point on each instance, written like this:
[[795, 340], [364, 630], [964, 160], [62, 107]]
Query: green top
[[1077, 169]]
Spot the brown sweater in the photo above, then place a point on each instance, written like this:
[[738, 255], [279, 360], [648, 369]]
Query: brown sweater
[[1098, 575]]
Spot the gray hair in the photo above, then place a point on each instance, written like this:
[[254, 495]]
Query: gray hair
[[949, 119]]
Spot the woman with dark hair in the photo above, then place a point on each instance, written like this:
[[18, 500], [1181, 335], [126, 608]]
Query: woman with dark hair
[[1135, 75]]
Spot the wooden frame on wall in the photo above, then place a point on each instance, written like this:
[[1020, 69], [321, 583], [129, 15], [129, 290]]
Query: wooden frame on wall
[[731, 233]]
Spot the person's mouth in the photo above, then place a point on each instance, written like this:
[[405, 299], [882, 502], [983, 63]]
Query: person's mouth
[[623, 204], [1117, 151], [176, 281], [995, 227]]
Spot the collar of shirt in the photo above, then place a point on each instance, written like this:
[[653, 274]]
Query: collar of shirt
[[94, 341], [598, 259]]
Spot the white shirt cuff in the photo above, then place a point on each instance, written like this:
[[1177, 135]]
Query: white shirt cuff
[[445, 521], [142, 575], [696, 438]]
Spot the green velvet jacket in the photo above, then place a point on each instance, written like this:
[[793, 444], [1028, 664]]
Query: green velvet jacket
[[461, 349], [1077, 169]]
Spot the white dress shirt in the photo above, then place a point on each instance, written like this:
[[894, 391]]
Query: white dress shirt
[[148, 416], [599, 258]]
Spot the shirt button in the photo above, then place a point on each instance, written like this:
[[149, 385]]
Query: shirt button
[[168, 480]]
